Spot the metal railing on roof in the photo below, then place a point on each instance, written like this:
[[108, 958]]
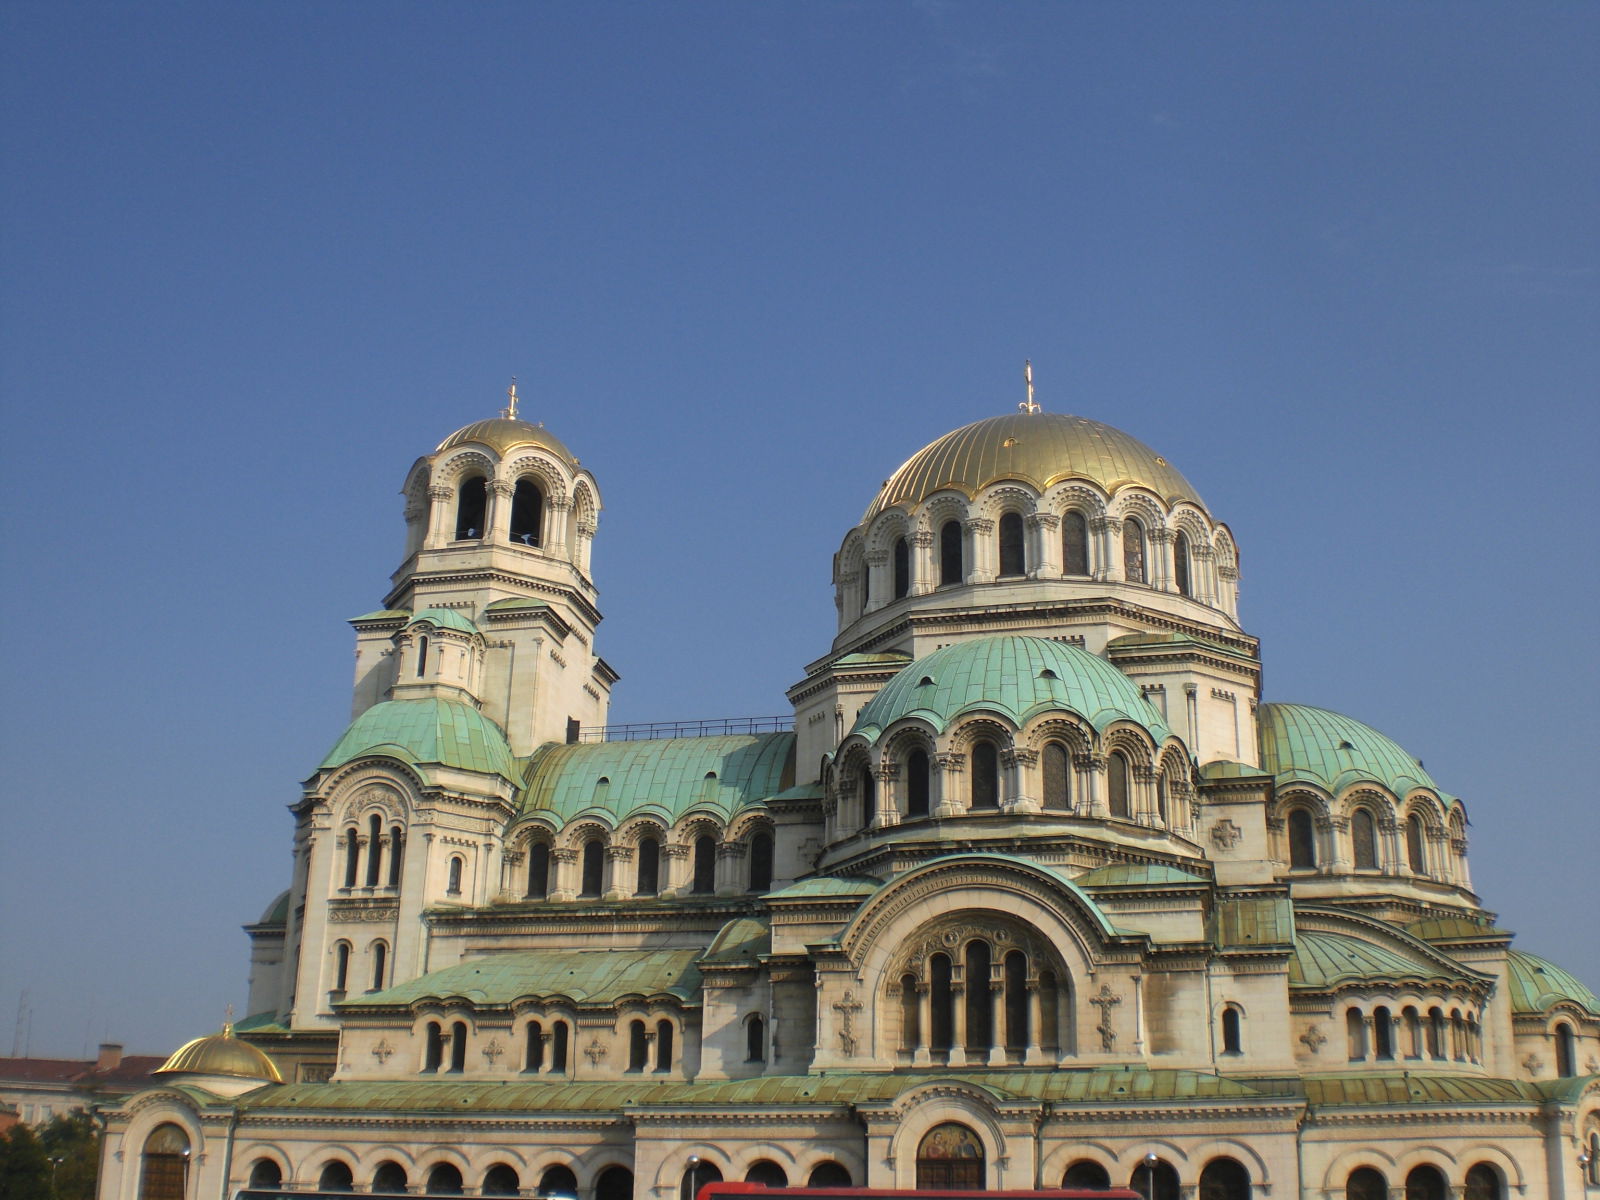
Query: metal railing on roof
[[641, 730]]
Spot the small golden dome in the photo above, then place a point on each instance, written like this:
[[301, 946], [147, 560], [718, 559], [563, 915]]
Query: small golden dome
[[221, 1054], [1037, 448], [501, 434]]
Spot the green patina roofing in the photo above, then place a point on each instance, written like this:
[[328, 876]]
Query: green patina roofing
[[384, 614], [1299, 742], [861, 659], [1222, 768], [837, 1087], [582, 976], [278, 911], [445, 618], [427, 733], [667, 775], [1014, 676], [1323, 959], [513, 603], [1253, 921], [1537, 985], [261, 1022], [1454, 929], [1396, 1088], [827, 885], [1135, 874], [741, 940]]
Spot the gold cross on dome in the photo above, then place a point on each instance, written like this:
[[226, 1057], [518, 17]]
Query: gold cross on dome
[[509, 412], [1028, 405]]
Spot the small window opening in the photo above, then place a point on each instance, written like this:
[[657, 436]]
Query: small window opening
[[458, 1047], [527, 513], [380, 963], [538, 871], [1117, 785], [1074, 544], [1013, 555], [470, 507], [1133, 551], [453, 887], [950, 566], [917, 781], [761, 863], [663, 1046], [638, 1046], [902, 568], [594, 869], [1231, 1041], [985, 775], [648, 881], [1302, 841], [755, 1039], [705, 866]]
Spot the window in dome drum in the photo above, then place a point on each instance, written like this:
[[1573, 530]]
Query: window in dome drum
[[1075, 544], [1013, 557], [1133, 551], [950, 553], [902, 569]]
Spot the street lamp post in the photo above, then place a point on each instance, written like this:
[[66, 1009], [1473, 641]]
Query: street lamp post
[[694, 1177], [1149, 1162], [54, 1164]]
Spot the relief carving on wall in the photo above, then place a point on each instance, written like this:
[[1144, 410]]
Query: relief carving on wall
[[1225, 835]]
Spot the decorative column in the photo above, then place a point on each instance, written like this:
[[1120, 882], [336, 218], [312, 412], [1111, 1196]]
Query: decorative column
[[585, 544], [1332, 857], [958, 1015], [498, 519], [1160, 565], [563, 869], [439, 524], [997, 1004], [1108, 540], [946, 768], [1046, 555], [888, 772], [674, 863], [921, 1056], [1228, 590], [1144, 785], [1389, 857], [1033, 1056], [1016, 768], [730, 868], [924, 573], [877, 580], [1091, 771], [981, 566], [617, 860], [558, 519], [1203, 572]]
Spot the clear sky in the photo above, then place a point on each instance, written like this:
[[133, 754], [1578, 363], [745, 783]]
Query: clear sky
[[1338, 262]]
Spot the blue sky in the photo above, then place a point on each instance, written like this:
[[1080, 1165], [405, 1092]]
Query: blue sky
[[1338, 262]]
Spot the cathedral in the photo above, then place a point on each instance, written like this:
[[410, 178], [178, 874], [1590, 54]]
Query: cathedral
[[1035, 889]]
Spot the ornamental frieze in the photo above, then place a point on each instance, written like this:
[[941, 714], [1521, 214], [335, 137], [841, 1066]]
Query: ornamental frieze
[[347, 912]]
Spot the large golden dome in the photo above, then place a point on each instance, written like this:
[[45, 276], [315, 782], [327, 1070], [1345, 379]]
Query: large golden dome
[[501, 434], [221, 1054], [1037, 448]]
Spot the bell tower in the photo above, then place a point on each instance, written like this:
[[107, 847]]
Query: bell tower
[[493, 604]]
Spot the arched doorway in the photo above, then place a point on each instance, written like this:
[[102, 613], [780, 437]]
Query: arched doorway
[[615, 1183], [950, 1156], [164, 1173], [1155, 1180], [1426, 1183], [1224, 1179], [558, 1181]]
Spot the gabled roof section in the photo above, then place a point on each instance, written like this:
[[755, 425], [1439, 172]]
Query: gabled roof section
[[428, 732], [1332, 948], [1537, 985], [1331, 750], [582, 976], [667, 776]]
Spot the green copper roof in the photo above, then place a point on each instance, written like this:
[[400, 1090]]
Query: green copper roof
[[1323, 959], [1014, 676], [445, 618], [582, 976], [453, 1095], [741, 940], [667, 776], [1537, 985], [1135, 875], [1454, 929], [426, 733], [1389, 1089], [384, 614], [513, 603], [827, 885], [1331, 750], [1255, 921]]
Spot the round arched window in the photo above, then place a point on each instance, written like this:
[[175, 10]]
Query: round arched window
[[950, 1156]]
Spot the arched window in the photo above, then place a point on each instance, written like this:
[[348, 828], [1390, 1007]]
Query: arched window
[[614, 1183], [352, 856], [902, 568], [538, 870], [1180, 564], [397, 845], [1232, 1039], [533, 1054], [453, 887], [336, 1177], [422, 657], [164, 1164], [1016, 999], [755, 1038], [445, 1180], [980, 1000], [527, 514], [985, 775], [696, 1175], [1566, 1051], [768, 1174], [663, 1045], [1133, 551], [1074, 544], [1436, 1033], [950, 1157], [1364, 839], [264, 1173], [1426, 1183], [1382, 1032], [560, 1038], [638, 1046], [648, 878], [1155, 1180], [341, 966], [828, 1174], [761, 863], [458, 1047], [1161, 799], [1458, 1037], [594, 869], [558, 1181], [1117, 785], [433, 1047], [869, 796], [500, 1180], [1057, 777], [1224, 1179], [1302, 841], [942, 1034], [1366, 1183], [1412, 1020], [1355, 1024], [910, 1014], [917, 783], [470, 506], [950, 565], [1050, 1013], [1416, 856], [1013, 557], [705, 866], [1483, 1183], [1086, 1174], [374, 849], [380, 964]]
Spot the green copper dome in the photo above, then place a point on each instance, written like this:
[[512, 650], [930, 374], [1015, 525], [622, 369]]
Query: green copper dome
[[425, 733], [1299, 742], [1013, 676], [444, 618], [1538, 985]]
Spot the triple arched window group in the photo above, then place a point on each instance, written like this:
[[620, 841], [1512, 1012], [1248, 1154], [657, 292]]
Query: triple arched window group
[[1413, 1033], [640, 870], [373, 857], [1482, 1181], [1315, 842]]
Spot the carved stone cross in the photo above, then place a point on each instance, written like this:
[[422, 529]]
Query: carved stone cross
[[493, 1051], [1105, 1001], [1533, 1064], [382, 1051], [847, 1008], [1314, 1039], [595, 1052]]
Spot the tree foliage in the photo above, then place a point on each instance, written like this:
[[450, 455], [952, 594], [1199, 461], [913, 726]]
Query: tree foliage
[[65, 1151]]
